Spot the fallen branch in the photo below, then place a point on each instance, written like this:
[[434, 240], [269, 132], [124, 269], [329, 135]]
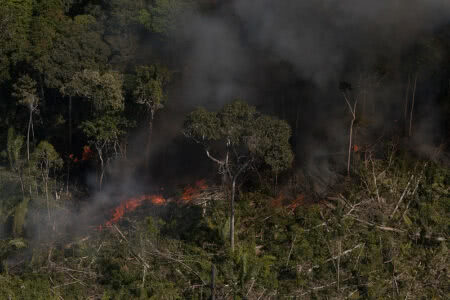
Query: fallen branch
[[385, 228], [402, 196], [338, 256], [290, 251]]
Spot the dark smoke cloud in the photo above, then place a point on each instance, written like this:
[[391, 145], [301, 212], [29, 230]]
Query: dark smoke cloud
[[321, 42], [318, 37]]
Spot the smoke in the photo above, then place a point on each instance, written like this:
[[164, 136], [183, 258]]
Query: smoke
[[287, 57], [295, 53]]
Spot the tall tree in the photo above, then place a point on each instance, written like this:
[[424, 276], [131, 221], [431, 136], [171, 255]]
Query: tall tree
[[241, 137], [104, 133], [151, 82], [105, 125], [26, 93], [45, 158], [14, 146]]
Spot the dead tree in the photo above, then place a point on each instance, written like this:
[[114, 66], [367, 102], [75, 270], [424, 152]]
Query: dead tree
[[353, 113]]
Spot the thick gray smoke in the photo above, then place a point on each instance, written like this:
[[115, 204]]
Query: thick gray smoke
[[318, 37], [321, 42]]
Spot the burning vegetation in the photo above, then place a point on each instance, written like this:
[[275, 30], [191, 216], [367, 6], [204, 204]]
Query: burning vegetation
[[190, 196], [132, 204], [321, 126]]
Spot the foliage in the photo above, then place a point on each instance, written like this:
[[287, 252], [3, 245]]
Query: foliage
[[46, 157], [162, 16], [15, 19], [26, 93], [380, 234], [151, 82], [252, 136], [14, 150], [103, 90]]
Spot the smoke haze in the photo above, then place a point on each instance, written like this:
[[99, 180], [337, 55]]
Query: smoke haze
[[288, 57]]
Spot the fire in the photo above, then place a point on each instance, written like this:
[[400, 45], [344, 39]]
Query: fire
[[293, 204], [300, 200], [278, 201], [87, 153], [131, 204], [190, 192]]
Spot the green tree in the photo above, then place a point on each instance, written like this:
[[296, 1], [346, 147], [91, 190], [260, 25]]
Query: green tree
[[15, 19], [102, 90], [151, 82], [17, 163], [14, 151], [162, 16], [104, 134], [45, 158], [105, 126], [26, 93], [245, 138]]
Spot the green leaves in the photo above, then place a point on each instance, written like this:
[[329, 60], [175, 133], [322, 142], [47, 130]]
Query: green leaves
[[261, 138], [270, 140], [25, 91], [46, 155], [202, 125], [151, 82], [162, 16], [15, 19], [105, 129], [14, 148], [104, 90]]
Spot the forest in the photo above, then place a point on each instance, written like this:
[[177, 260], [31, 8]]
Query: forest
[[224, 149]]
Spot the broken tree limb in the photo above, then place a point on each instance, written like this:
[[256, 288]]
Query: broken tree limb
[[402, 196]]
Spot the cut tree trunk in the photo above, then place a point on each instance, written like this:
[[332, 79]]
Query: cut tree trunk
[[149, 140], [28, 134], [70, 123], [353, 113], [412, 106], [405, 117], [233, 191]]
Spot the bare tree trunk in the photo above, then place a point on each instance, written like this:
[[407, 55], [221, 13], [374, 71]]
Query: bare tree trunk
[[297, 117], [350, 146], [69, 142], [233, 196], [28, 134], [149, 139], [353, 113], [102, 168], [412, 106], [233, 190], [32, 129], [48, 202], [405, 117], [22, 184], [70, 123]]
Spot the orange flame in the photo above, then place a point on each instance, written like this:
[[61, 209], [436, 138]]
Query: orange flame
[[131, 205], [281, 200], [87, 153], [190, 192], [297, 202], [278, 201]]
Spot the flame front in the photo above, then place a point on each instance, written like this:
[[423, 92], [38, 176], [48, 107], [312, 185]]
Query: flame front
[[131, 204], [191, 192]]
